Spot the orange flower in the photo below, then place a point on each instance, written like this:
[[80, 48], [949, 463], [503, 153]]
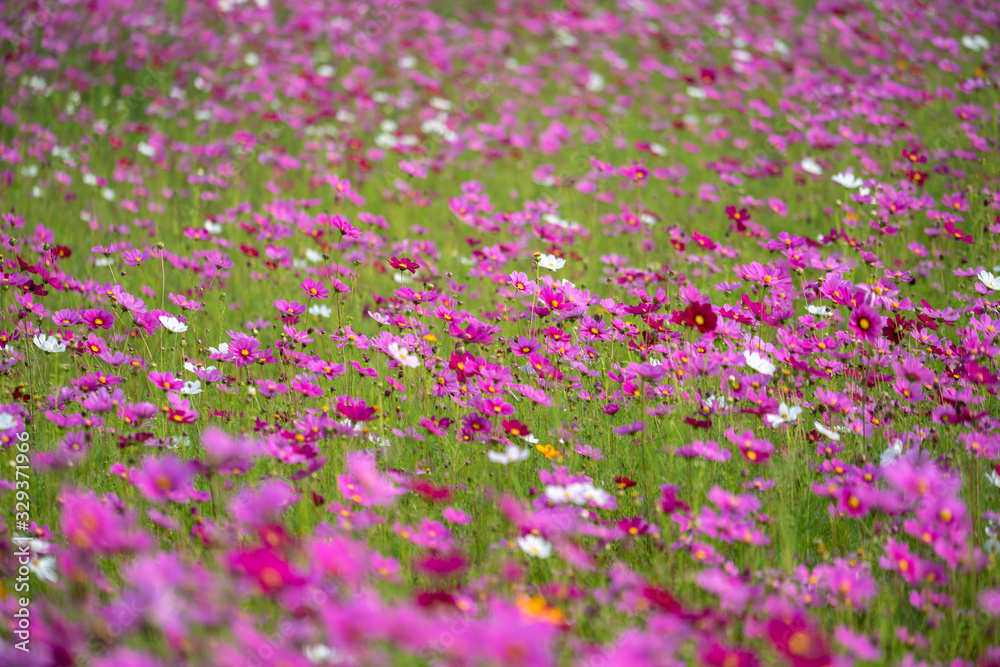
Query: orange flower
[[538, 609], [549, 452]]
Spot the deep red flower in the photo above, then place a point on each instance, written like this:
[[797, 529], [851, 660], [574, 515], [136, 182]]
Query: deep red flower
[[717, 655], [739, 215], [895, 328], [514, 427], [442, 566], [437, 494], [624, 483], [698, 423], [914, 156], [436, 599], [799, 642], [699, 316]]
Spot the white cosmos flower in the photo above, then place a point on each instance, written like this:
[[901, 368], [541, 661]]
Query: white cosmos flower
[[551, 262], [786, 415], [108, 194], [320, 654], [44, 568], [49, 344], [992, 544], [578, 493], [441, 104], [191, 388], [595, 495], [223, 349], [400, 354], [833, 435], [890, 455], [7, 420], [188, 366], [178, 441], [759, 363], [314, 256], [512, 454], [42, 565], [558, 494], [847, 179], [146, 149], [320, 310], [993, 478], [212, 227], [975, 42], [810, 166], [821, 311], [713, 402], [534, 546], [172, 324], [990, 280]]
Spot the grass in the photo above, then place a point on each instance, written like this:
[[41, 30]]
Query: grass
[[801, 529]]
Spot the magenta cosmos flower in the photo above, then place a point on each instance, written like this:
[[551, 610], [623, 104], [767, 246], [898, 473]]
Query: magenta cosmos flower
[[866, 323]]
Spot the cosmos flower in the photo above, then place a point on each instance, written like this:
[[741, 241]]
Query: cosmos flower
[[48, 344], [405, 358], [823, 430], [991, 281], [848, 180], [810, 166], [172, 324], [551, 262], [535, 546], [975, 42], [404, 264], [291, 557], [42, 565], [785, 415], [866, 323], [700, 316], [759, 363], [512, 454]]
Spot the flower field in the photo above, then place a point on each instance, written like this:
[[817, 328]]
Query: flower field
[[413, 332]]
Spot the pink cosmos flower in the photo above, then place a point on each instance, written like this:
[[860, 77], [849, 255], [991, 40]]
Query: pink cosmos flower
[[866, 323]]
